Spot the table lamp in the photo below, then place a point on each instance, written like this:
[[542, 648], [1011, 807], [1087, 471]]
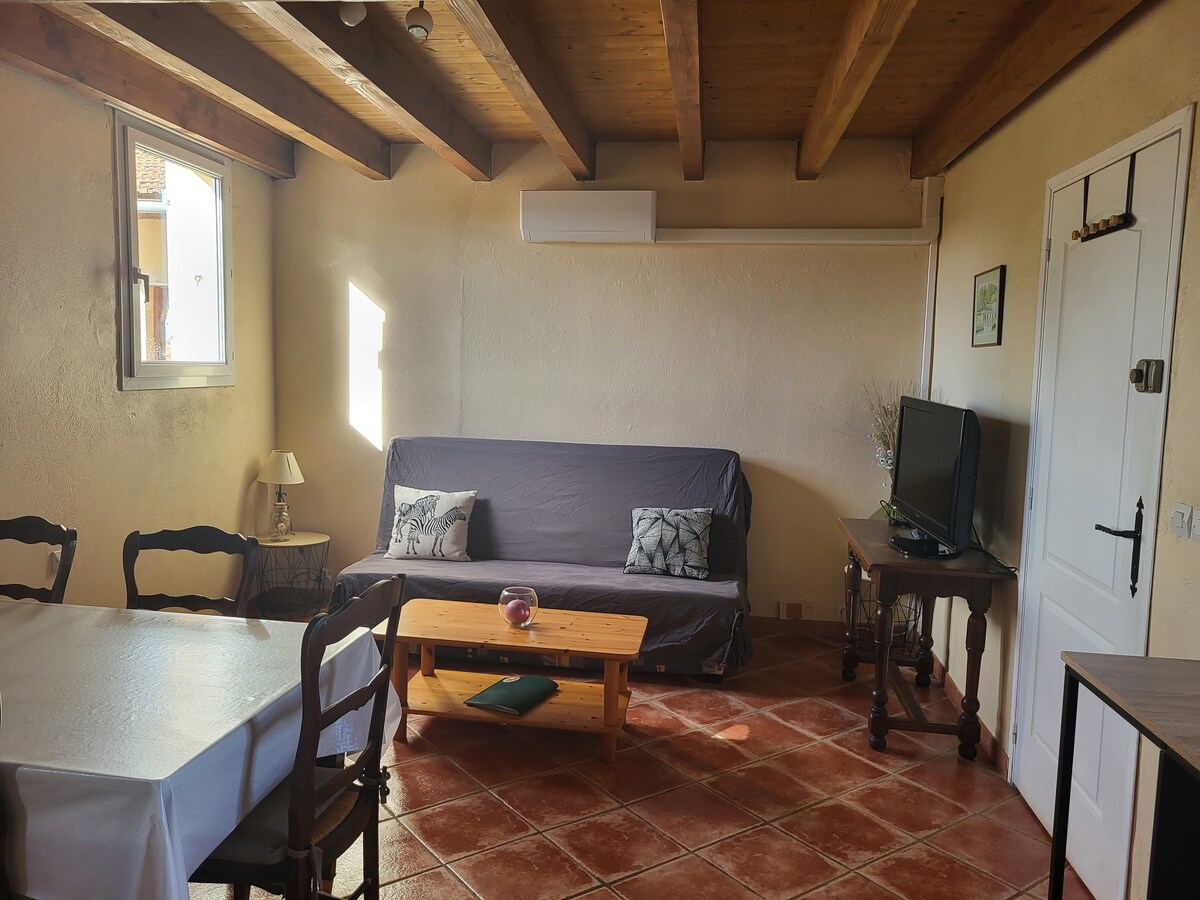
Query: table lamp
[[281, 469]]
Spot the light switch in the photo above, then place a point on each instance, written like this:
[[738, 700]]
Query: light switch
[[1196, 529], [1181, 519]]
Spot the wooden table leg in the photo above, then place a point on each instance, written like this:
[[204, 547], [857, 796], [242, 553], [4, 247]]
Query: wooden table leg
[[925, 644], [612, 693], [427, 659], [624, 685], [968, 722], [853, 572], [878, 718], [1062, 792], [400, 683]]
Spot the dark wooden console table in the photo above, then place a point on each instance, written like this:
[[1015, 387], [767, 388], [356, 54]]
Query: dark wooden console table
[[969, 576], [1161, 699]]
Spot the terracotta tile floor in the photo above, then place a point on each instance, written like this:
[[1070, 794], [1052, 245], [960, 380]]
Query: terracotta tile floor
[[760, 786]]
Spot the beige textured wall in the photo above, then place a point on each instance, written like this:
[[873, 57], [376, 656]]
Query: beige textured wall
[[764, 350], [72, 447], [993, 214]]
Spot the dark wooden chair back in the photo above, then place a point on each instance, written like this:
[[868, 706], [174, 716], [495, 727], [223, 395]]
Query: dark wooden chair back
[[5, 887], [361, 784], [6, 891], [337, 597], [198, 539], [32, 530]]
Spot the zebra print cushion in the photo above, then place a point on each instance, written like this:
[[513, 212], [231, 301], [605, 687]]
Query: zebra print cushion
[[431, 524], [670, 542]]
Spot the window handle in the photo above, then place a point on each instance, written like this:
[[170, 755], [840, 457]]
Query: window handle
[[144, 279]]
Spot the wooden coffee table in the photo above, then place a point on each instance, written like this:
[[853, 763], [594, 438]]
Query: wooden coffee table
[[575, 706]]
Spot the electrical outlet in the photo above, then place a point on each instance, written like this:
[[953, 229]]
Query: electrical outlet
[[1196, 528], [1181, 520]]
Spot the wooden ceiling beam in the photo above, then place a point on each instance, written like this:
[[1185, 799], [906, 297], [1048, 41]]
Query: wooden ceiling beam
[[38, 41], [505, 37], [362, 58], [159, 2], [188, 42], [1049, 39], [681, 27], [870, 32]]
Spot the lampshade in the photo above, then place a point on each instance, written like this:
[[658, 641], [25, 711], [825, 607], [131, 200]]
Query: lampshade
[[419, 21], [281, 468]]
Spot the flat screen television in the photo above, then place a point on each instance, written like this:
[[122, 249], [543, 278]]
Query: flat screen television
[[933, 478]]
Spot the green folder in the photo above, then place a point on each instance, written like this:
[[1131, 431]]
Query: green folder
[[514, 695]]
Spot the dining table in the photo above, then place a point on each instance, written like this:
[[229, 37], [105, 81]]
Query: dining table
[[132, 742]]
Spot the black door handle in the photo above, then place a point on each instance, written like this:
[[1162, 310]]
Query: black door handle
[[1136, 536]]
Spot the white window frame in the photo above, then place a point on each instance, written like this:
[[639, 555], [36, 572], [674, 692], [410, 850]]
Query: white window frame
[[136, 374]]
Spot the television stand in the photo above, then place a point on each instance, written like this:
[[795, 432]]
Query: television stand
[[926, 547], [970, 576]]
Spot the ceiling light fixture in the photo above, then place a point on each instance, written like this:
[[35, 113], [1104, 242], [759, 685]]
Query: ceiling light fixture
[[419, 22], [352, 13]]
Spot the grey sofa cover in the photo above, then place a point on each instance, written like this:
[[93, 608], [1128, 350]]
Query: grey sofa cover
[[557, 517]]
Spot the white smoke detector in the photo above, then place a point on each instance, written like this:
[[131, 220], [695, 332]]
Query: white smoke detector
[[419, 21]]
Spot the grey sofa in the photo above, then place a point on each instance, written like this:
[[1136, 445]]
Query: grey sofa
[[557, 517]]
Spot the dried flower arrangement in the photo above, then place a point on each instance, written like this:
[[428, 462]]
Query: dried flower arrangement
[[883, 403]]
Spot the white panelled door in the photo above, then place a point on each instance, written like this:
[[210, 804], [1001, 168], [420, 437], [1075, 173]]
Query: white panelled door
[[1096, 450]]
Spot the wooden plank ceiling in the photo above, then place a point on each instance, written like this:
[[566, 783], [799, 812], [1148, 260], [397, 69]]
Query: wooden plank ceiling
[[254, 78]]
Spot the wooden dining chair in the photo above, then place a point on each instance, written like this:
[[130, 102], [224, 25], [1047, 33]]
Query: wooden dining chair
[[292, 839], [198, 539], [6, 891], [34, 530]]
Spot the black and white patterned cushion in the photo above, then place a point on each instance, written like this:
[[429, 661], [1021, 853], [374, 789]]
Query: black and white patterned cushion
[[669, 542], [431, 524]]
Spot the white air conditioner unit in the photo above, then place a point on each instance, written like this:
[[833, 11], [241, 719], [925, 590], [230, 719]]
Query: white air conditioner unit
[[589, 217]]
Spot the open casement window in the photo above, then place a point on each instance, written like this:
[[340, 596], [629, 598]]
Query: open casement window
[[174, 237]]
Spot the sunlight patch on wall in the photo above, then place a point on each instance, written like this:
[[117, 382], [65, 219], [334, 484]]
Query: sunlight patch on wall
[[365, 378]]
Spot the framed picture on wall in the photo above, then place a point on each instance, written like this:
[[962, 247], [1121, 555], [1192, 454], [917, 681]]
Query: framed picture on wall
[[988, 318]]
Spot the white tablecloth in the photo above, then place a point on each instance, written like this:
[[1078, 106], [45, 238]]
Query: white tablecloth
[[133, 742]]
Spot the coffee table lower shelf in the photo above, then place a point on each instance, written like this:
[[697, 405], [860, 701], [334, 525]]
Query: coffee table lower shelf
[[575, 706]]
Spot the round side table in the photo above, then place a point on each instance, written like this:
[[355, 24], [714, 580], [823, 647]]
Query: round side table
[[291, 576]]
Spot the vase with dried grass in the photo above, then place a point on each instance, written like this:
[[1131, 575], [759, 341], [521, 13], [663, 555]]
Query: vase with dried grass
[[883, 404]]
